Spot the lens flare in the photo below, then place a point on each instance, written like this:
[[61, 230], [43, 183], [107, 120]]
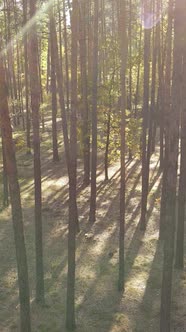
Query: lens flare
[[151, 15]]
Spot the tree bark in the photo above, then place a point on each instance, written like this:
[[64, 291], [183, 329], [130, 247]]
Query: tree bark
[[24, 297], [123, 53], [92, 215], [35, 104]]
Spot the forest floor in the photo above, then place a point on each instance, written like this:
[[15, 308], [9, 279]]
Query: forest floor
[[99, 306]]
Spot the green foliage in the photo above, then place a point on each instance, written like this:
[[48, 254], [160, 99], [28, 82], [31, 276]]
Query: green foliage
[[133, 135]]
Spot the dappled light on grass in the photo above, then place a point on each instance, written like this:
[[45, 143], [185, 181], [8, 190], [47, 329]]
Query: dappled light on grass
[[99, 306]]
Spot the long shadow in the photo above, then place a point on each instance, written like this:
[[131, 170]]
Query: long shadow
[[138, 235], [133, 250], [147, 318], [99, 308]]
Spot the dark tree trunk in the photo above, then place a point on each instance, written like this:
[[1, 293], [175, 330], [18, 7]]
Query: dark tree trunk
[[145, 168], [123, 53], [5, 178], [166, 104], [66, 57], [54, 101], [25, 324], [92, 215], [73, 212], [179, 263], [166, 291], [25, 39], [35, 103], [85, 110]]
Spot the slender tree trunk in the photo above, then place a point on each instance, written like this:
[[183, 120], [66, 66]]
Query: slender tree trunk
[[166, 291], [25, 324], [54, 101], [145, 170], [92, 215], [25, 39], [123, 52], [66, 57], [179, 263], [5, 178], [85, 111], [73, 215], [35, 103], [166, 113], [107, 142]]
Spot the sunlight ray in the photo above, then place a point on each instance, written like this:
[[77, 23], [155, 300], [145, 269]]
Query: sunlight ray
[[44, 8]]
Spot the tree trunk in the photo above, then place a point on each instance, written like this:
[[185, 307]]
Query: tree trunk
[[35, 101], [123, 52], [54, 101], [85, 110], [73, 213], [166, 291], [92, 215], [145, 168], [24, 297], [179, 263]]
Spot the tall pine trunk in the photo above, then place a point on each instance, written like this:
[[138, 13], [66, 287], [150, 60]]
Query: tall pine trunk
[[35, 103], [24, 297], [179, 263], [92, 215], [166, 291], [123, 53]]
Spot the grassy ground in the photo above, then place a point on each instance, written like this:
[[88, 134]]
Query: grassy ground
[[99, 306]]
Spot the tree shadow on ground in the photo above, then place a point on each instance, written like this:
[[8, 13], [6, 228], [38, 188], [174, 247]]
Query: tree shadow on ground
[[148, 314], [97, 299]]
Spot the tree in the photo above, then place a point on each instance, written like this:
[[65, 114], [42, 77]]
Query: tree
[[85, 109], [54, 100], [123, 52], [145, 166], [73, 213], [24, 297], [92, 215], [179, 259], [35, 103], [166, 290]]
